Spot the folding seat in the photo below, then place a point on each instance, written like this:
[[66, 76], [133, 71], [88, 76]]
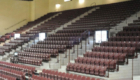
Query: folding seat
[[82, 68], [84, 60], [102, 62], [102, 55], [110, 49], [128, 44], [102, 49], [114, 44], [89, 61], [92, 70], [120, 49], [119, 44], [97, 68], [134, 44], [97, 55], [79, 77], [118, 39], [102, 44], [115, 49], [110, 44], [87, 54], [78, 60], [127, 38], [131, 51], [111, 56], [137, 38], [93, 54], [112, 64], [111, 39], [87, 69], [102, 71], [92, 79]]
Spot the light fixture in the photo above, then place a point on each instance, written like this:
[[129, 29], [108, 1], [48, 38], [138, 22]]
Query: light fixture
[[81, 1], [57, 5], [67, 0]]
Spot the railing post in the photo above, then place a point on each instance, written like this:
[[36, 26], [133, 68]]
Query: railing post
[[93, 39], [69, 55], [85, 45], [77, 50]]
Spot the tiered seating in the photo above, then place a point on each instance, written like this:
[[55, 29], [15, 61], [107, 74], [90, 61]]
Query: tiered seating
[[29, 60], [12, 45], [129, 50], [61, 48], [18, 67], [53, 52], [34, 77], [55, 75], [25, 27], [6, 77], [31, 24], [63, 18], [6, 48], [109, 63], [88, 69], [106, 17], [106, 55], [16, 74], [42, 56], [121, 44], [101, 60]]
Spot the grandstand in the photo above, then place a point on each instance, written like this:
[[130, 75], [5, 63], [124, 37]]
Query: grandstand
[[70, 49]]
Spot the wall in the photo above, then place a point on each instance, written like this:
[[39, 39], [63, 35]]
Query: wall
[[75, 4], [21, 12], [41, 8], [13, 12]]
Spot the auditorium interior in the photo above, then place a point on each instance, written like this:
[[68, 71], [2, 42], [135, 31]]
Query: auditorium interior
[[59, 39]]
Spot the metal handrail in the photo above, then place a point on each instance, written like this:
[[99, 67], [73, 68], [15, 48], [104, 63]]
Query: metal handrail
[[93, 3], [15, 24]]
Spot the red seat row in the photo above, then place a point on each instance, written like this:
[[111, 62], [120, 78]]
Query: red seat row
[[2, 52], [109, 63], [35, 77], [17, 74], [55, 75], [65, 35], [18, 67], [121, 44], [125, 38], [131, 28], [29, 60], [61, 48], [71, 31], [6, 48], [6, 77], [53, 52], [88, 69], [128, 33], [129, 50], [12, 45], [35, 55], [25, 39], [120, 57], [56, 42]]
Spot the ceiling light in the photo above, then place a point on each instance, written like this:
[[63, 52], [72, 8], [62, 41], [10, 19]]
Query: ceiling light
[[57, 5], [81, 1], [67, 0]]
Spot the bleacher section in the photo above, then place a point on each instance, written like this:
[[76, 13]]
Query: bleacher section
[[99, 62]]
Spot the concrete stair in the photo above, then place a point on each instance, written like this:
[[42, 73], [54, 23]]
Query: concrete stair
[[124, 23]]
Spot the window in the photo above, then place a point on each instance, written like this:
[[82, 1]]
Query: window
[[100, 36], [42, 36]]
